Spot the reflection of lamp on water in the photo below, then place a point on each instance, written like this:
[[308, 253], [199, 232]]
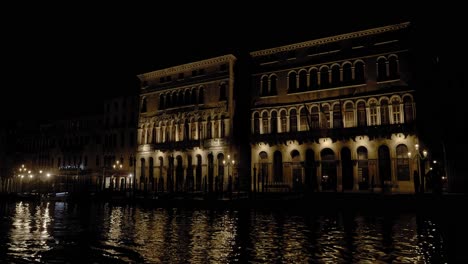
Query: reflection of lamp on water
[[117, 166], [419, 158]]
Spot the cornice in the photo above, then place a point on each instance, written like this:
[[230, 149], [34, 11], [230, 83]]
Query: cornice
[[187, 67], [326, 40]]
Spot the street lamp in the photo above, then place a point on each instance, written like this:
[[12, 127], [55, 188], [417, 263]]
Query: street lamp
[[117, 166], [419, 158], [229, 163]]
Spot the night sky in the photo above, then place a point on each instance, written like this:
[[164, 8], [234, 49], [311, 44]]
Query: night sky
[[64, 63]]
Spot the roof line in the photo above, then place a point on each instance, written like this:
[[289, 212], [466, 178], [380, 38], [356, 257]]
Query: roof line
[[326, 40], [187, 66]]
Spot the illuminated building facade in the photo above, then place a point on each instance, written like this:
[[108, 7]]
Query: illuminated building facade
[[335, 114], [185, 127]]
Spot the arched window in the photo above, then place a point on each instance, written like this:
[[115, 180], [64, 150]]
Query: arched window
[[373, 112], [303, 119], [347, 73], [349, 115], [324, 83], [161, 101], [265, 123], [273, 81], [274, 122], [292, 84], [393, 67], [313, 79], [303, 80], [284, 121], [296, 165], [396, 113], [264, 85], [256, 120], [193, 129], [325, 117], [337, 116], [384, 113], [335, 72], [409, 114], [361, 114], [293, 121], [385, 164], [359, 72], [363, 168], [263, 170], [381, 69], [314, 117], [403, 172], [329, 170]]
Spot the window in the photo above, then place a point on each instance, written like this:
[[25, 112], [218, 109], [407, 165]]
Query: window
[[403, 173], [359, 72], [292, 85], [381, 69], [347, 73], [324, 83], [409, 116], [265, 127], [303, 119], [373, 113], [315, 117], [274, 122], [349, 115], [284, 121], [313, 79], [273, 80], [393, 67], [325, 116], [143, 105], [384, 115], [264, 85], [335, 72], [361, 114], [337, 118], [303, 80], [293, 121], [222, 91], [256, 123], [396, 111]]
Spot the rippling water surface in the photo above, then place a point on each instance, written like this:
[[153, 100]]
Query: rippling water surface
[[59, 232]]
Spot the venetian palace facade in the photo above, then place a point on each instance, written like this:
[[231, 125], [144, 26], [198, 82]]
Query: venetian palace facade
[[185, 127], [334, 114]]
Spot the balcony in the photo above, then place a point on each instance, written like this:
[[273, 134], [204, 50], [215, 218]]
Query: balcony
[[335, 134]]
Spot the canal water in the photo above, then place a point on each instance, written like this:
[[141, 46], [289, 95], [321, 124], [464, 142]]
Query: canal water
[[61, 232]]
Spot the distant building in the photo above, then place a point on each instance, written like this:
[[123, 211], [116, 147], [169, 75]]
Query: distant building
[[185, 127], [119, 142], [335, 114]]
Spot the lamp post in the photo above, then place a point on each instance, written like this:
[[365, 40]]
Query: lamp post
[[117, 167], [229, 163], [419, 158]]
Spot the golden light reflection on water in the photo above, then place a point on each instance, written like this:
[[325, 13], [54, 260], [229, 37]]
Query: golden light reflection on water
[[29, 235], [133, 234]]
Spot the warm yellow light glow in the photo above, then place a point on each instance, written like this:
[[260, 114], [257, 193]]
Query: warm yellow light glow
[[409, 154], [229, 156], [416, 146], [48, 174], [233, 162], [130, 175], [40, 171], [29, 171], [22, 165], [425, 153], [435, 161], [224, 162]]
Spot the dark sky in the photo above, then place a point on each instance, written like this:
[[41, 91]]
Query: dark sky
[[57, 63]]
